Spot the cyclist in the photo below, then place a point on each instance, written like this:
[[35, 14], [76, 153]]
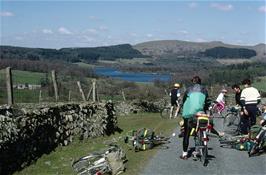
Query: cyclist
[[221, 100], [238, 91], [194, 100], [174, 94], [250, 98]]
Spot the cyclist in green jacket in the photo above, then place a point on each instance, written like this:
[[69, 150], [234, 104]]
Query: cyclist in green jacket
[[194, 100]]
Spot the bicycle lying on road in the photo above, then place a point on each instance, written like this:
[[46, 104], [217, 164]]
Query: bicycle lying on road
[[143, 139], [254, 143], [109, 161], [259, 142]]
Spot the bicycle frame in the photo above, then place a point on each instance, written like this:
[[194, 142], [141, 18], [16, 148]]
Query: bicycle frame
[[201, 137], [259, 141]]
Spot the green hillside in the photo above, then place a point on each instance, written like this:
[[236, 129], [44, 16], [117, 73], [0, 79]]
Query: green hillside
[[70, 54]]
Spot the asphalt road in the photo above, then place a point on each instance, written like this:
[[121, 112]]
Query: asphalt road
[[222, 160]]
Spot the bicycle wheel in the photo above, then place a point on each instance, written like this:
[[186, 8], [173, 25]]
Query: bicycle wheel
[[165, 113], [88, 161], [102, 168], [231, 123], [204, 148]]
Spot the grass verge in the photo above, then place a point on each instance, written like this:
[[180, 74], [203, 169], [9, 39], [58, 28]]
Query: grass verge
[[59, 161]]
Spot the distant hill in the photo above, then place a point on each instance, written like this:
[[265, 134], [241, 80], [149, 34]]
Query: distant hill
[[157, 49], [193, 49], [89, 54]]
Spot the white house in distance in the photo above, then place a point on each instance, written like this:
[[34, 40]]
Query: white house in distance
[[27, 86]]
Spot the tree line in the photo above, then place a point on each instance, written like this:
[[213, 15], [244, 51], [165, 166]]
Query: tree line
[[224, 52], [236, 73], [88, 55]]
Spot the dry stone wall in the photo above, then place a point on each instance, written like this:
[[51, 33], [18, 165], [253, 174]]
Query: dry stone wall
[[27, 133], [137, 106]]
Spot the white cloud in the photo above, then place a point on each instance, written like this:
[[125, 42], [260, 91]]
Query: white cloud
[[262, 9], [94, 18], [223, 7], [92, 31], [184, 32], [200, 40], [65, 31], [192, 5], [149, 35], [133, 34], [88, 39], [103, 28], [18, 38], [6, 14], [47, 31]]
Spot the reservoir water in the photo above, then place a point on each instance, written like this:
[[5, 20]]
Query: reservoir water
[[131, 76]]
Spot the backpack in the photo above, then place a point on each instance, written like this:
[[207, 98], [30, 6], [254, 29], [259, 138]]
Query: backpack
[[116, 159], [244, 146], [143, 139]]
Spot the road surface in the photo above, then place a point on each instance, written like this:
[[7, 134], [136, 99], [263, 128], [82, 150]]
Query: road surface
[[222, 160]]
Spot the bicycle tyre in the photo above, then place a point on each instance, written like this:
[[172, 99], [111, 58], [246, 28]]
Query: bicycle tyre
[[87, 161], [165, 113], [205, 155], [204, 150], [231, 123]]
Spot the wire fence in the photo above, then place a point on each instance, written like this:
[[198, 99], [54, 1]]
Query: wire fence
[[34, 87]]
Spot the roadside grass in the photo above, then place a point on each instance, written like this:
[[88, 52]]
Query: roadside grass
[[59, 161]]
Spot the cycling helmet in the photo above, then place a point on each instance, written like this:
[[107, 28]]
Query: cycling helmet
[[177, 85]]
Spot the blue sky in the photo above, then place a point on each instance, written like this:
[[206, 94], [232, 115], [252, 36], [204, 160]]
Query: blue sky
[[57, 24]]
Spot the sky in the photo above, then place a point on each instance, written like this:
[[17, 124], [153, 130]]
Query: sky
[[69, 23]]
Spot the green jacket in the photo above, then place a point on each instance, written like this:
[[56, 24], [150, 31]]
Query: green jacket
[[194, 100]]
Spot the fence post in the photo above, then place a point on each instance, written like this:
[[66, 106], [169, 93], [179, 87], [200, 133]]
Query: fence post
[[89, 94], [55, 85], [81, 91], [93, 90], [9, 86], [123, 95], [40, 96], [69, 95]]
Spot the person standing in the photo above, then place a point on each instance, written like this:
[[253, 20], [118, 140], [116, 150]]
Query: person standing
[[221, 100], [249, 98], [174, 94], [194, 101], [238, 91]]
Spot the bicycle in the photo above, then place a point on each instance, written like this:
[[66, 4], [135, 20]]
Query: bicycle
[[201, 139], [216, 111], [259, 142], [233, 141], [97, 163], [231, 123], [144, 139], [166, 112]]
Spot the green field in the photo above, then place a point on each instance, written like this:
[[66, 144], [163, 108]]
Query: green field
[[260, 84], [23, 77], [59, 161]]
